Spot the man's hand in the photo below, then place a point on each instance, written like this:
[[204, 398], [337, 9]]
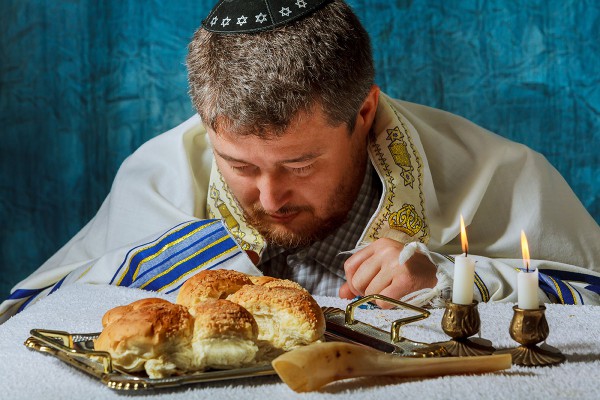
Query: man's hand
[[375, 270]]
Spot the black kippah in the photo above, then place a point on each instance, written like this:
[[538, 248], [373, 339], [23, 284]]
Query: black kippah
[[247, 16]]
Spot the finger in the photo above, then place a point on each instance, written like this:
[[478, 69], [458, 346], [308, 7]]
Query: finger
[[356, 259], [391, 291], [378, 271], [403, 284], [352, 264], [349, 277], [364, 275], [379, 282], [346, 293]]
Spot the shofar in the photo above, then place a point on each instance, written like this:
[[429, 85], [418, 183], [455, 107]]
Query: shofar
[[311, 367]]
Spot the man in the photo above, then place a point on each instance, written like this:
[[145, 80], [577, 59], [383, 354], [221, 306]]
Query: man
[[300, 162]]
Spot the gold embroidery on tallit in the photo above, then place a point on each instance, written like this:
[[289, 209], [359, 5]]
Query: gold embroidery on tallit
[[403, 207], [400, 155], [222, 204], [406, 220], [226, 215], [425, 228]]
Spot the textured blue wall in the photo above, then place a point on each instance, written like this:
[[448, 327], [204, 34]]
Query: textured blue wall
[[83, 84]]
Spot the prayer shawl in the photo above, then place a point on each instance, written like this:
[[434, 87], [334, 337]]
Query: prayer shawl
[[170, 214]]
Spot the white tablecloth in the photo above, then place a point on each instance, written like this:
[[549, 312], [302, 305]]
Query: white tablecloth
[[27, 374]]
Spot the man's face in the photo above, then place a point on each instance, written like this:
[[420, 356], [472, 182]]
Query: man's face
[[296, 188]]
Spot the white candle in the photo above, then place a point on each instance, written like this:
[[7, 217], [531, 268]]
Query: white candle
[[527, 290], [527, 281], [464, 278], [464, 272]]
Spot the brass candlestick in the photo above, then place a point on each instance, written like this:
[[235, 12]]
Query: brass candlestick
[[529, 327], [460, 321]]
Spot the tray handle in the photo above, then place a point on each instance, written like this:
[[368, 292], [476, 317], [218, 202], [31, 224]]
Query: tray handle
[[63, 342], [397, 324]]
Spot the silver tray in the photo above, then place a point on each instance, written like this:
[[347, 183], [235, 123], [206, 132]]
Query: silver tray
[[77, 349]]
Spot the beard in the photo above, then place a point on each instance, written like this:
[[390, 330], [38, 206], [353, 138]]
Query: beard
[[313, 229]]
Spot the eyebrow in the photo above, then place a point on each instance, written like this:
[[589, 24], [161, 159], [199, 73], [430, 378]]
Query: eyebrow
[[226, 157], [304, 157]]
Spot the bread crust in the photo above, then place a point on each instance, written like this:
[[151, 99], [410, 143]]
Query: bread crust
[[261, 280], [286, 317], [217, 318], [284, 283], [211, 284], [117, 312]]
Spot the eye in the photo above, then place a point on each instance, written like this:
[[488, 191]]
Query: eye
[[302, 171], [242, 169]]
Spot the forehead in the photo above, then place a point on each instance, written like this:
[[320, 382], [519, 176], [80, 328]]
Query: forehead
[[306, 133], [273, 127]]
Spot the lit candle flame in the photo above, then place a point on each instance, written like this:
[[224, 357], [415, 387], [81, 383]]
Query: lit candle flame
[[525, 250], [463, 236]]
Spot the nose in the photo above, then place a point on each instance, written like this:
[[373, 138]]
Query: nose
[[274, 192]]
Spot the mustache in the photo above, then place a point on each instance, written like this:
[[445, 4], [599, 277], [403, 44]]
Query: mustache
[[258, 210]]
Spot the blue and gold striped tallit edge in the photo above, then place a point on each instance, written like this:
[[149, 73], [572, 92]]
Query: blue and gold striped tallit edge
[[556, 283], [185, 249], [160, 265]]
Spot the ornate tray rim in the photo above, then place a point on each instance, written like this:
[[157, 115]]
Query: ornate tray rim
[[98, 363]]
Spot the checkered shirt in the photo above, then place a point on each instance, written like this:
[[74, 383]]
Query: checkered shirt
[[320, 267]]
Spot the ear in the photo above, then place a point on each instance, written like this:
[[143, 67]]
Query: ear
[[366, 114]]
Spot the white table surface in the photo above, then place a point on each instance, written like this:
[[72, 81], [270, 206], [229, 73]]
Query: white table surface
[[27, 374]]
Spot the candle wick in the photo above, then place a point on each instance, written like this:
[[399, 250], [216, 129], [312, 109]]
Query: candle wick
[[527, 266]]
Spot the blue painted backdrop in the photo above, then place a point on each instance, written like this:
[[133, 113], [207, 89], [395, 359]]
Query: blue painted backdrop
[[84, 83]]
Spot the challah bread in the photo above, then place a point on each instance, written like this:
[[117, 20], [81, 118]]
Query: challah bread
[[117, 312], [164, 339], [286, 317], [155, 338], [261, 318], [225, 335], [211, 284]]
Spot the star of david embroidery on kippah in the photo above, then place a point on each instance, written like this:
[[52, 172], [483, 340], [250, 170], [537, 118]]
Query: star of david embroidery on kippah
[[235, 16], [261, 18], [285, 11]]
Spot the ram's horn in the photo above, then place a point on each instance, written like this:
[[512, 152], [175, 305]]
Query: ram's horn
[[310, 367]]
